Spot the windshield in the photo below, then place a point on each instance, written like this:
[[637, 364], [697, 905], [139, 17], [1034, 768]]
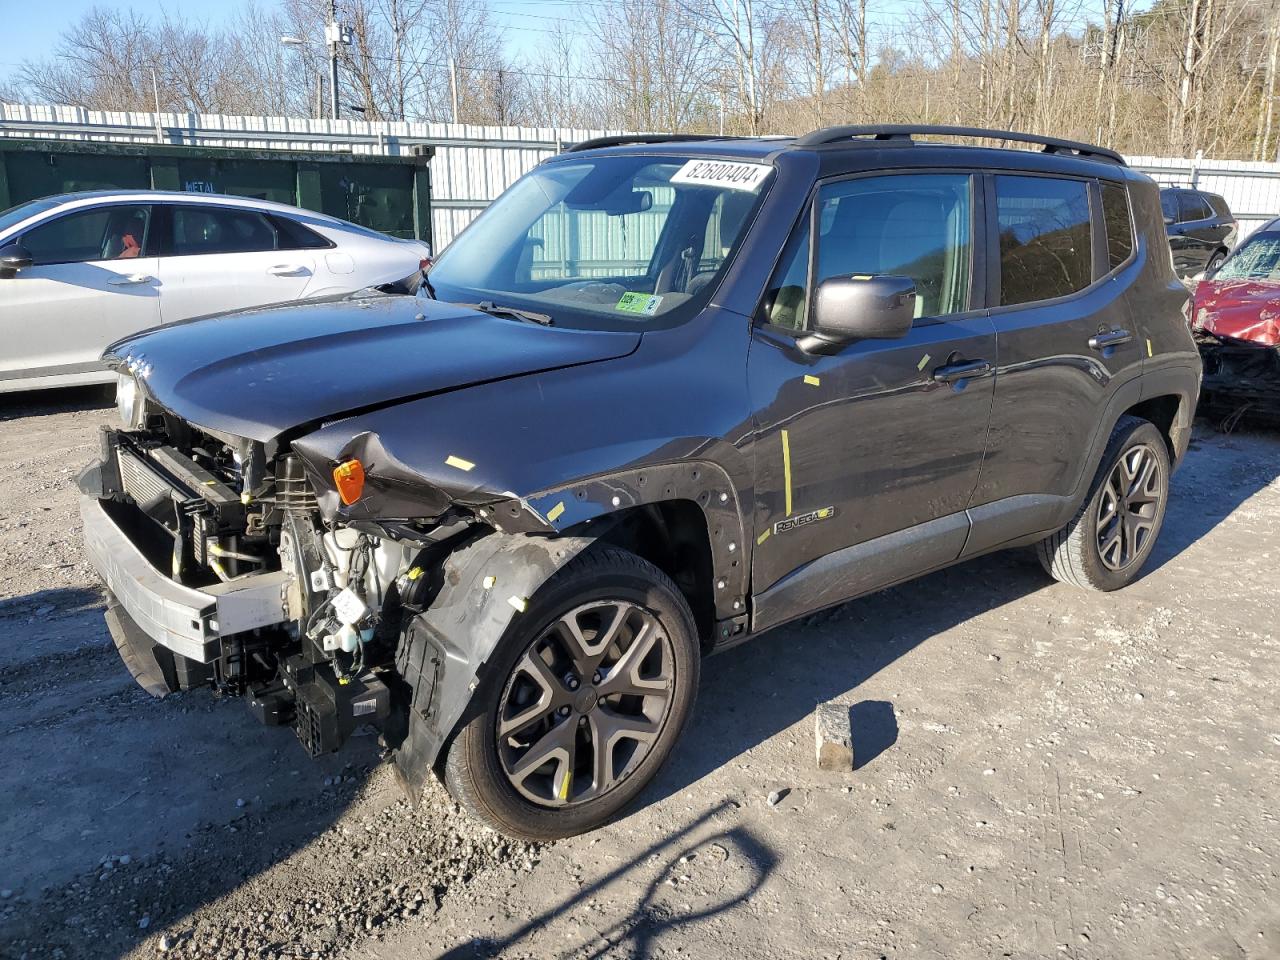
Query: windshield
[[619, 242], [1256, 259], [22, 211]]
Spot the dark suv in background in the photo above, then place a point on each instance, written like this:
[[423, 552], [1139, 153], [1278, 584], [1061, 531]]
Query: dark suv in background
[[663, 394], [1201, 229]]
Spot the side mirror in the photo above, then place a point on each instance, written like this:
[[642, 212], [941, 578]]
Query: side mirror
[[13, 257], [860, 308]]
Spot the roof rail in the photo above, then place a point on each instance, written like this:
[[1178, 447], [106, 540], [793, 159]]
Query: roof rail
[[905, 131], [620, 139]]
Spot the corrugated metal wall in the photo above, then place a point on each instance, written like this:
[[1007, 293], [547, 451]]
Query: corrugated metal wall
[[473, 164]]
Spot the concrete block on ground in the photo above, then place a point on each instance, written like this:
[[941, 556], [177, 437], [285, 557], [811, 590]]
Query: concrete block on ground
[[833, 737]]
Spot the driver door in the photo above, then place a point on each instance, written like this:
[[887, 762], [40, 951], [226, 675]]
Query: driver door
[[91, 283], [866, 458]]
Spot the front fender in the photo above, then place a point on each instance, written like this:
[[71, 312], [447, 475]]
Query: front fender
[[470, 602]]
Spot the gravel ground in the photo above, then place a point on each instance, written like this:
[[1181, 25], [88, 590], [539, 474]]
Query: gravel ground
[[1040, 772]]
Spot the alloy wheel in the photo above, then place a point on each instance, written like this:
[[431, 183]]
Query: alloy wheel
[[585, 703], [1129, 507]]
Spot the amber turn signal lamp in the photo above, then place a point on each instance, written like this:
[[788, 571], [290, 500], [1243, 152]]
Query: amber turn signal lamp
[[348, 477]]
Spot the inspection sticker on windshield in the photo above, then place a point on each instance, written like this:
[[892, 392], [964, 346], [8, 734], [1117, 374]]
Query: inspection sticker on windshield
[[644, 303], [722, 173]]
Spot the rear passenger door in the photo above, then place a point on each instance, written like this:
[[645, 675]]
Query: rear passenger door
[[1062, 252], [226, 258], [871, 440], [1201, 234]]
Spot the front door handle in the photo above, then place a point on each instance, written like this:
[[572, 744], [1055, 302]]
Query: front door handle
[[966, 370], [131, 280], [1111, 338], [286, 270]]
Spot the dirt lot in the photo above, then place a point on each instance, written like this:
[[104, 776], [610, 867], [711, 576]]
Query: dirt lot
[[1041, 772]]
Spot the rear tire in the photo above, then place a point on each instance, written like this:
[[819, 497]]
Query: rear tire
[[1113, 533], [561, 686], [1214, 263]]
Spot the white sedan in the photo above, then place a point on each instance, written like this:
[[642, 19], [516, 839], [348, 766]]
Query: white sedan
[[80, 270]]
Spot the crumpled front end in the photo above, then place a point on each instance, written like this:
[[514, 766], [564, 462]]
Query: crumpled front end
[[1241, 378], [245, 566]]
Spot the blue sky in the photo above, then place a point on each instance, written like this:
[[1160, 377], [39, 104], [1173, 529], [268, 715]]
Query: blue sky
[[30, 29]]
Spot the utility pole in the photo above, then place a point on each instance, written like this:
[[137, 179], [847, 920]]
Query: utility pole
[[334, 34], [453, 88]]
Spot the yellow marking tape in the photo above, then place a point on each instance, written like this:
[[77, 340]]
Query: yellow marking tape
[[414, 573], [786, 468], [554, 513], [764, 536], [811, 380], [565, 782], [458, 462], [861, 276], [1149, 351], [923, 361], [490, 582], [520, 603]]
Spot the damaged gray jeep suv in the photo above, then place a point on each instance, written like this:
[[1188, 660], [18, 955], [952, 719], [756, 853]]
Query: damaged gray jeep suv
[[662, 395]]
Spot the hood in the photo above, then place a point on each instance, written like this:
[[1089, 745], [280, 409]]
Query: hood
[[259, 373], [1240, 309]]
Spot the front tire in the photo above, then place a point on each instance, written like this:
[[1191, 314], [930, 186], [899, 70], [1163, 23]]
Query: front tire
[[583, 700], [1111, 536]]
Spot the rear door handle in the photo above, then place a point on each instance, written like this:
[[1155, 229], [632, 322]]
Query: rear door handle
[[287, 270], [1112, 338], [962, 371], [131, 280]]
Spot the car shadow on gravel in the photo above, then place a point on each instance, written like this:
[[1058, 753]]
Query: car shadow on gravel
[[635, 934], [42, 403], [752, 692]]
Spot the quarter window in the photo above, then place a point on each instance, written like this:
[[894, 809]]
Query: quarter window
[[103, 233], [207, 230], [1115, 213], [787, 300], [911, 225], [1046, 248]]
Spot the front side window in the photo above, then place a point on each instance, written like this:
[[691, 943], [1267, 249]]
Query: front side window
[[912, 225], [787, 302], [617, 242], [208, 230], [1046, 242], [103, 233], [1115, 213], [1258, 258]]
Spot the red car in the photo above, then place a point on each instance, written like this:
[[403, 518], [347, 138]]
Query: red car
[[1236, 318]]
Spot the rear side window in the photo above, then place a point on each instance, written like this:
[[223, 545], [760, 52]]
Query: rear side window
[[291, 235], [1194, 207], [1219, 205], [1046, 244], [1115, 213], [104, 233], [909, 225], [207, 230]]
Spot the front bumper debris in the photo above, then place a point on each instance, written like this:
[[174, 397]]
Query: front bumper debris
[[187, 621], [1240, 377]]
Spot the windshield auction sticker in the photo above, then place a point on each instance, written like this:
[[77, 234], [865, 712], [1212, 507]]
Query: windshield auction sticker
[[722, 173], [644, 303]]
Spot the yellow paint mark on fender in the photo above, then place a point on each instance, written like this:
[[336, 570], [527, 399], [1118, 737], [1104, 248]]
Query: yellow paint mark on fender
[[764, 536], [786, 469], [554, 513], [458, 463], [923, 360], [811, 380], [1150, 352]]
